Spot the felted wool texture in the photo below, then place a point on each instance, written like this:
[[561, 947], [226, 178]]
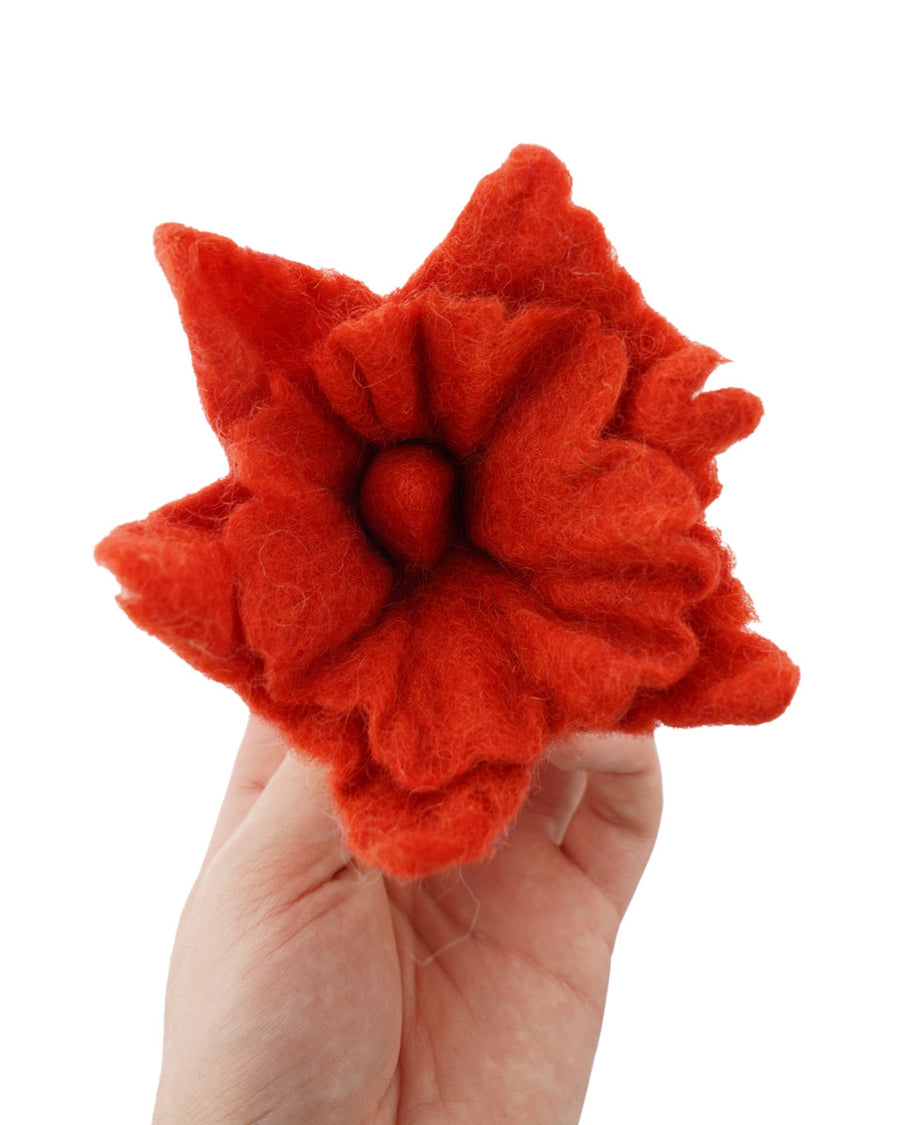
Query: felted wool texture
[[459, 522]]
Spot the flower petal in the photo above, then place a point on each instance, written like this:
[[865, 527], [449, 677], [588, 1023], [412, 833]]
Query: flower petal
[[682, 571], [207, 510], [370, 369], [753, 681], [291, 443], [589, 676], [247, 315], [551, 490], [521, 238], [739, 677], [666, 411], [628, 499], [438, 683], [412, 835], [437, 367], [337, 741], [309, 581], [563, 419], [177, 580], [478, 356], [361, 677]]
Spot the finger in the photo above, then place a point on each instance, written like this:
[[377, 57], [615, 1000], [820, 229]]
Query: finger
[[258, 757], [602, 752], [561, 779], [555, 795], [291, 841], [611, 834]]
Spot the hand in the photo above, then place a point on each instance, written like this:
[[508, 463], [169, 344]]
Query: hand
[[303, 989]]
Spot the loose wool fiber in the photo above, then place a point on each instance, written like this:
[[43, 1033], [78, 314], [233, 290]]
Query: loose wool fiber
[[460, 521]]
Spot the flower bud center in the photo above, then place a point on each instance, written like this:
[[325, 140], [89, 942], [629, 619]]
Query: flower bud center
[[407, 503]]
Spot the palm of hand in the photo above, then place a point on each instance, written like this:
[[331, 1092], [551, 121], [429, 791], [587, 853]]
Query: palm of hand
[[304, 990]]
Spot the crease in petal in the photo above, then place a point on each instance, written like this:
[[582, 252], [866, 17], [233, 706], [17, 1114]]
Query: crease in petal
[[458, 695], [666, 410], [309, 581], [248, 315], [292, 443], [589, 676], [556, 431], [620, 507], [388, 349], [743, 678], [550, 488], [371, 371], [208, 509], [361, 676], [739, 676], [683, 570], [413, 835], [479, 357], [178, 583]]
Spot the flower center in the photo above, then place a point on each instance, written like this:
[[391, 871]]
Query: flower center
[[407, 502]]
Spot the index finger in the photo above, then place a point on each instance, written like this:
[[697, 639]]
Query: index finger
[[260, 754]]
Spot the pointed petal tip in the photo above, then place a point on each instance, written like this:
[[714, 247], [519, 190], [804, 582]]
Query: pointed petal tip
[[534, 163], [172, 245], [169, 237], [167, 231], [759, 692], [762, 694], [178, 248], [536, 155], [106, 551]]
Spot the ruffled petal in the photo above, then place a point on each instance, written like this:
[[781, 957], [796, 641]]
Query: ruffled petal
[[520, 238], [666, 410], [588, 677], [291, 443], [248, 315], [371, 371], [437, 681], [594, 643], [556, 431], [479, 357], [178, 583], [208, 510], [550, 490], [309, 581], [361, 677], [460, 697], [415, 834], [683, 570], [739, 677], [625, 502]]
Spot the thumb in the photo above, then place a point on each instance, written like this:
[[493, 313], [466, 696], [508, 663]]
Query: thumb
[[291, 841]]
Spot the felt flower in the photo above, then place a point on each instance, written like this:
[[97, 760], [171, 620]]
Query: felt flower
[[459, 522]]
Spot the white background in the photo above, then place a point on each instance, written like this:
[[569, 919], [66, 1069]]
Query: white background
[[740, 157]]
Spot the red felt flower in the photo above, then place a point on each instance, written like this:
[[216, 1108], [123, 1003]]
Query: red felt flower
[[460, 521]]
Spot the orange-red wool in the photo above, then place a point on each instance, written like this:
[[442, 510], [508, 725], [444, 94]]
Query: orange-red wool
[[459, 521]]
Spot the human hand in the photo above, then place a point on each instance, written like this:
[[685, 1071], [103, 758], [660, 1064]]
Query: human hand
[[303, 989]]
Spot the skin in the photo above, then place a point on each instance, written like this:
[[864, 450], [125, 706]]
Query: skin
[[304, 989]]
